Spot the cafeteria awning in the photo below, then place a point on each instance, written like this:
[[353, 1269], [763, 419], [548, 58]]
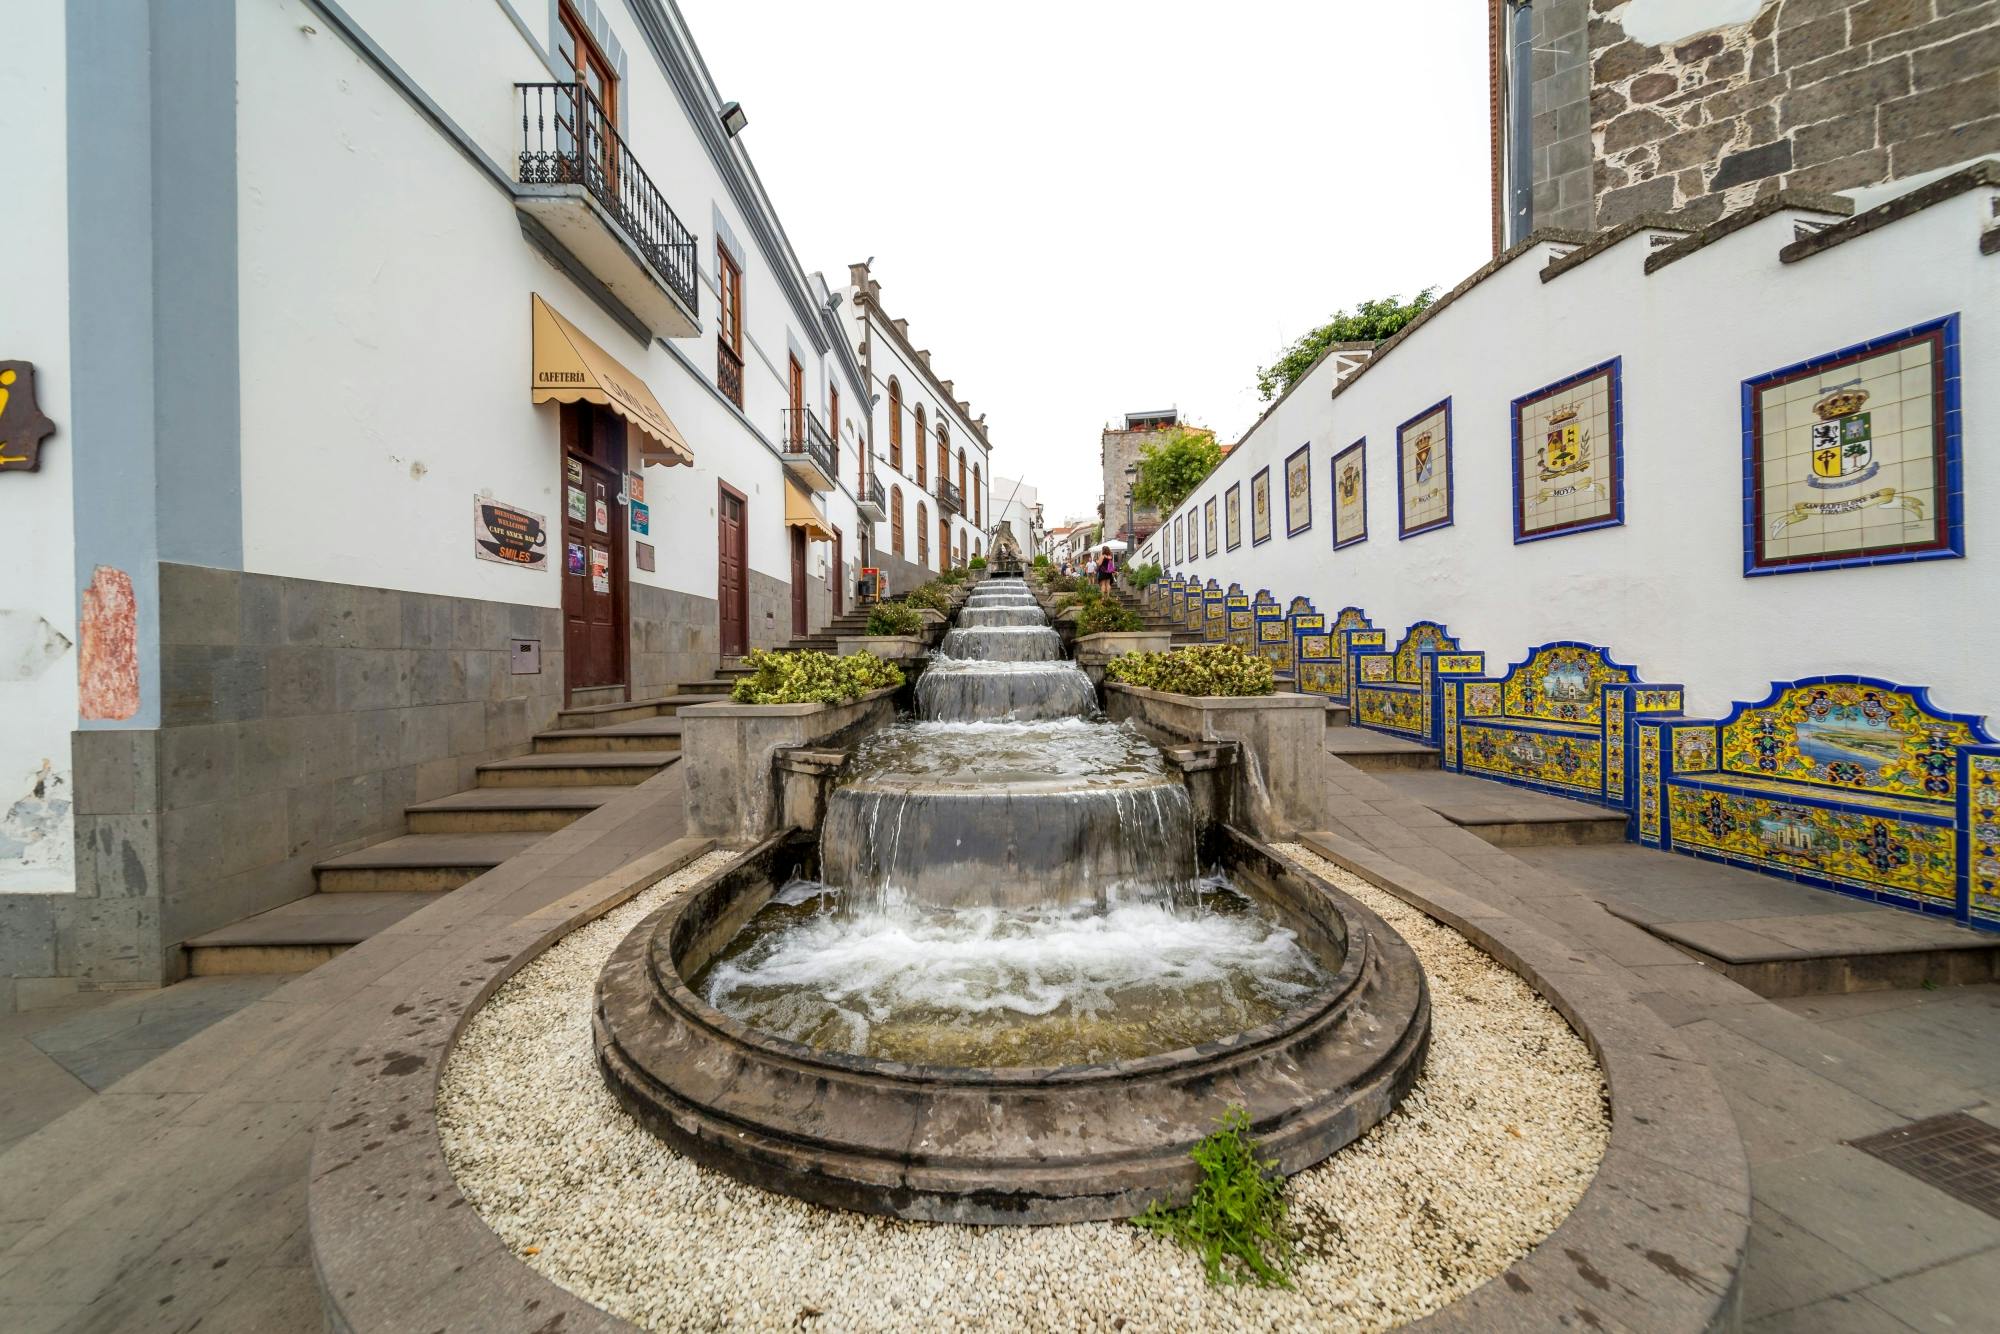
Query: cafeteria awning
[[802, 511], [571, 368]]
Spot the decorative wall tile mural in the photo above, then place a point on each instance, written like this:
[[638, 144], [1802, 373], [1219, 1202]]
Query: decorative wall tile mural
[[1232, 516], [1350, 495], [1569, 466], [1260, 508], [1208, 523], [1178, 547], [1298, 491], [1423, 470], [1853, 457]]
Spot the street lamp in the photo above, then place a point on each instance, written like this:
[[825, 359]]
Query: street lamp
[[1131, 525]]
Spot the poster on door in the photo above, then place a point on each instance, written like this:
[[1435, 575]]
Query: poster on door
[[578, 508], [574, 558], [600, 570], [600, 517], [509, 536]]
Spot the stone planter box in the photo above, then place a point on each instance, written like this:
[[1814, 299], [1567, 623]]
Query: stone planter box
[[894, 648], [1281, 740], [1094, 651], [727, 750]]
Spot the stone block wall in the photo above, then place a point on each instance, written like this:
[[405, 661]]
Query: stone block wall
[[1820, 95], [675, 637], [1118, 451], [1559, 104]]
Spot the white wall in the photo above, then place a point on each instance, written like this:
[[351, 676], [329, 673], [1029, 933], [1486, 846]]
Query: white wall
[[1665, 591], [1013, 505], [385, 298], [37, 530]]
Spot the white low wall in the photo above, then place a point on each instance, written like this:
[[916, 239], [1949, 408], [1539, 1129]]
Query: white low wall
[[1666, 590]]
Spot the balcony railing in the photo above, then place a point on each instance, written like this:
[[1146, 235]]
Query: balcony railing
[[872, 501], [950, 497], [729, 371], [809, 449], [566, 139]]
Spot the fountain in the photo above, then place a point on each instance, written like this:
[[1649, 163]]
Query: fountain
[[998, 987]]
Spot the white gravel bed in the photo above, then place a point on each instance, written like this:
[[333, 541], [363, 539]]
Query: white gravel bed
[[1490, 1151]]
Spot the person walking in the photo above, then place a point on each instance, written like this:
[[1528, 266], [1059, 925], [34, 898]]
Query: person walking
[[1107, 571]]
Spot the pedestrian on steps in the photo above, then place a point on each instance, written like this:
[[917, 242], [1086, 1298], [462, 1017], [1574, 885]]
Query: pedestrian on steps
[[1107, 570]]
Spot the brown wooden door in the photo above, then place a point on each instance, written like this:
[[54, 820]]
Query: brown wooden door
[[944, 541], [799, 626], [733, 564], [594, 593], [839, 575]]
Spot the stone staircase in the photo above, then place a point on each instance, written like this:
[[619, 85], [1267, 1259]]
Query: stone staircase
[[594, 751], [1155, 620]]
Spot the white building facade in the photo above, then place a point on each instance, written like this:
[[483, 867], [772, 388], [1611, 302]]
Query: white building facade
[[414, 372], [931, 453]]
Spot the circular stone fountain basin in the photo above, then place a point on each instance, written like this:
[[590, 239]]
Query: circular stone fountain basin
[[997, 690], [1004, 1144], [1003, 643]]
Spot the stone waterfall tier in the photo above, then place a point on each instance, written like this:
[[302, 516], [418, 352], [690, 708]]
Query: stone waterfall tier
[[1003, 643], [895, 842], [1027, 615], [953, 690]]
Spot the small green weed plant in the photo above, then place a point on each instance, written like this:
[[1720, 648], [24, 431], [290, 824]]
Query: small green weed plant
[[1236, 1219], [955, 575], [976, 563], [894, 618], [929, 597], [808, 677]]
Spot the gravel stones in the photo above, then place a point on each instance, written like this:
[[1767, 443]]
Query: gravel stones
[[1491, 1150]]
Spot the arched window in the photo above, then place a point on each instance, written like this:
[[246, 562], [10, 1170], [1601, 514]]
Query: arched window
[[895, 427], [978, 503], [944, 459], [923, 533], [922, 479], [896, 521], [964, 496]]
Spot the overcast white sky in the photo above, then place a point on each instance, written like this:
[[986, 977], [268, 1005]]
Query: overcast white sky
[[1097, 206]]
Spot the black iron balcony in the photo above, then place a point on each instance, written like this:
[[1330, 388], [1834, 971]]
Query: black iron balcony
[[808, 449], [729, 371], [871, 502], [950, 497], [570, 145]]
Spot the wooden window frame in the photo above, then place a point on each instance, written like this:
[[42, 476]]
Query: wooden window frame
[[896, 426], [922, 446]]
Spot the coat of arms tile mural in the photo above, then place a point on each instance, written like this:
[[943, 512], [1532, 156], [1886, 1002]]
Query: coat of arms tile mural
[[1298, 491], [1853, 457], [1569, 455], [1260, 507], [1423, 470], [1350, 495], [1232, 516]]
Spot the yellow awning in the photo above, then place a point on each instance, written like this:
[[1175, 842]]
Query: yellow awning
[[571, 368], [802, 511]]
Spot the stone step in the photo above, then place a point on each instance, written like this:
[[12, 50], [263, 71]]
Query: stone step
[[299, 935], [587, 695], [426, 863], [644, 734], [618, 711], [714, 688], [507, 810], [1508, 816], [1367, 749], [610, 768]]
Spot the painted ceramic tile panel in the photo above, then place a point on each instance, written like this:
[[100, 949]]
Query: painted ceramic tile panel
[[1208, 523], [1848, 736], [1861, 849], [1562, 683], [1568, 461], [1983, 845], [1298, 491], [1560, 761], [1854, 456], [1260, 507], [1178, 547], [1396, 710], [1232, 507], [1350, 495], [1423, 463]]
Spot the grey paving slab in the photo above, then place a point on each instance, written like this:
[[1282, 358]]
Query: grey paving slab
[[1875, 1213], [1850, 1313], [438, 850], [1963, 1294], [573, 797], [1675, 888], [110, 1041], [1343, 740], [1465, 800], [320, 919], [1953, 1030], [1790, 1266]]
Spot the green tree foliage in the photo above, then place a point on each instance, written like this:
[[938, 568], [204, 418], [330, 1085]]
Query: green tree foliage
[[1172, 466], [1369, 322]]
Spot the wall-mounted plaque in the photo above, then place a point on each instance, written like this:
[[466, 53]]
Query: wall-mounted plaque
[[509, 536], [23, 426]]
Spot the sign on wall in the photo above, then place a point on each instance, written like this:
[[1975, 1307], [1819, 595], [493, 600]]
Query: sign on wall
[[642, 518], [23, 426], [1298, 491], [1260, 508], [1423, 471], [1569, 472], [1853, 457], [1350, 495], [509, 536], [1232, 516]]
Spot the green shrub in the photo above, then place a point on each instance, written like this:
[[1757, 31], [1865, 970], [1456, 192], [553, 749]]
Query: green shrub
[[1201, 669], [976, 563], [1061, 583], [1145, 576], [1236, 1219], [1104, 616], [930, 597], [895, 618], [1043, 562], [952, 576], [808, 677]]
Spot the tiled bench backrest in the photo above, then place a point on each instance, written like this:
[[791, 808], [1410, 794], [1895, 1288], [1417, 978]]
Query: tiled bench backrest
[[1238, 628], [1214, 619], [1397, 692], [1320, 649], [1194, 607], [1847, 782], [1272, 636], [1556, 721]]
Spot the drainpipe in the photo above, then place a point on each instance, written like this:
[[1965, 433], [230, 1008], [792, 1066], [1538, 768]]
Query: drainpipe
[[1520, 122]]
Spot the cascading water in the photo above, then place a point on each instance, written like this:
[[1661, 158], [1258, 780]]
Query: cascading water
[[1008, 881]]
